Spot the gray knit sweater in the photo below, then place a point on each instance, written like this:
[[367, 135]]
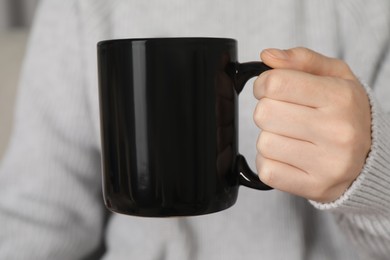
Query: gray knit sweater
[[51, 205]]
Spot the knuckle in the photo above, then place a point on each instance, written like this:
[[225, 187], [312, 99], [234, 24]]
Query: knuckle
[[342, 66], [261, 113], [342, 69], [264, 144], [308, 54], [258, 85], [300, 50], [272, 83], [305, 54]]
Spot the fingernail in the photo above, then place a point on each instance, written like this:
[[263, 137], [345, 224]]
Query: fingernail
[[277, 54]]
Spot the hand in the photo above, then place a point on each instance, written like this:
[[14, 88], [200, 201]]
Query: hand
[[316, 124]]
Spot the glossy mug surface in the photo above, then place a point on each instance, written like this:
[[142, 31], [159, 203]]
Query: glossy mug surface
[[169, 125]]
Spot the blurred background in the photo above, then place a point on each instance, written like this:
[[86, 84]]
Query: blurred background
[[16, 17]]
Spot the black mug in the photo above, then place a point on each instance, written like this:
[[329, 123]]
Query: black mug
[[169, 125]]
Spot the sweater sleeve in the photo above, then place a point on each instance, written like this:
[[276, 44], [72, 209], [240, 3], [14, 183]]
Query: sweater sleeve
[[363, 211], [50, 195]]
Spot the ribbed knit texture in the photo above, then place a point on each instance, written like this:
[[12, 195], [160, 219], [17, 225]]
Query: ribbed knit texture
[[51, 204]]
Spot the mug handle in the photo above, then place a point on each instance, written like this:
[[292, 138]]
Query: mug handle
[[242, 72]]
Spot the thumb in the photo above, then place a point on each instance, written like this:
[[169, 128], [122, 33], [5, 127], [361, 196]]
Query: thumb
[[306, 60]]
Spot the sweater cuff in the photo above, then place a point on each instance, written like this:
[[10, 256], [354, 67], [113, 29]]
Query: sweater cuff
[[370, 192]]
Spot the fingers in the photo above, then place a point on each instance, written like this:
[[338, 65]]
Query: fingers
[[296, 153], [296, 87], [287, 119], [303, 59], [288, 178], [316, 124], [283, 177]]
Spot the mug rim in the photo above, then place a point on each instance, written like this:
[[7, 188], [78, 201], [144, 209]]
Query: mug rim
[[168, 39]]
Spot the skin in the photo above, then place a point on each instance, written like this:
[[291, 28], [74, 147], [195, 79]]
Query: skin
[[315, 123]]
